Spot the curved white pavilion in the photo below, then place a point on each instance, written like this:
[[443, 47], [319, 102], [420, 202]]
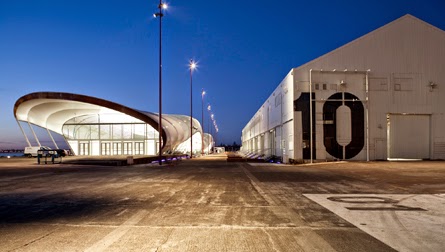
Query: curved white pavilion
[[93, 126]]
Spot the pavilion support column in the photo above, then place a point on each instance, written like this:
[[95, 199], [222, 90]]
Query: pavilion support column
[[34, 133], [23, 132], [52, 139]]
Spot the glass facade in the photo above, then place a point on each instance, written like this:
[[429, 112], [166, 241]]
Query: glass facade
[[110, 134]]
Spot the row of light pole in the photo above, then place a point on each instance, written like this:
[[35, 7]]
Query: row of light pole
[[213, 120], [192, 66]]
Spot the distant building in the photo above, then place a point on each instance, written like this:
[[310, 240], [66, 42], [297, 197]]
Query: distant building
[[381, 96], [93, 126]]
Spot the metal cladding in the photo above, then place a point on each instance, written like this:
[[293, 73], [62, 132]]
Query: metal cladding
[[379, 97]]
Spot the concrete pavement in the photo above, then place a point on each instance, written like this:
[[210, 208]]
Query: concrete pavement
[[207, 204]]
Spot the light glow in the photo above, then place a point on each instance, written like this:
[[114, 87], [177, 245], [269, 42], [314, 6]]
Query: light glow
[[193, 65]]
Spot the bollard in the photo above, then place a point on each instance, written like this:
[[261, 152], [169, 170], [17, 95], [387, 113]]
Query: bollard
[[130, 160], [38, 158]]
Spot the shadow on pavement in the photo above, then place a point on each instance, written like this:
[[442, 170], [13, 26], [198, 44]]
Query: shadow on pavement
[[33, 207]]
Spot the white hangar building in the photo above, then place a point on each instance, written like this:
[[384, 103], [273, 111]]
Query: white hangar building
[[379, 97]]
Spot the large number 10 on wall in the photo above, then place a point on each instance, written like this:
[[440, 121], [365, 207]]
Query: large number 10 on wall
[[330, 107]]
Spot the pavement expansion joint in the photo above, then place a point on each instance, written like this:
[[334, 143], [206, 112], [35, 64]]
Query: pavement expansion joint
[[224, 226]]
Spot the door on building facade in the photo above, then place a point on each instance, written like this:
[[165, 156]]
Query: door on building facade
[[105, 148], [117, 148], [128, 148], [273, 142], [262, 144], [409, 136], [138, 148], [84, 148]]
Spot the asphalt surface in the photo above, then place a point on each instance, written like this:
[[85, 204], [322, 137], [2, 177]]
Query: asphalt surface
[[209, 204]]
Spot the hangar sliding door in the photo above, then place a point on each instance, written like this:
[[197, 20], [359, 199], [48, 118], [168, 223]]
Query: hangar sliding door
[[409, 136]]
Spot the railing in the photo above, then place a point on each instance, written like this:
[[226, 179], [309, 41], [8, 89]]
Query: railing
[[52, 154]]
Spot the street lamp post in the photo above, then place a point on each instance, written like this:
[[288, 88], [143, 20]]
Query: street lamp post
[[161, 6], [202, 120], [209, 131], [216, 132], [212, 116], [192, 66]]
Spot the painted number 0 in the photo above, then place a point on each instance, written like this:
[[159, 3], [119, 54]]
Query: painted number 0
[[373, 203]]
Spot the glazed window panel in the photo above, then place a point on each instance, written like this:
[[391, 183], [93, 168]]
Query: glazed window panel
[[105, 131], [94, 132], [151, 132], [69, 131], [83, 132], [127, 130], [117, 131], [139, 131]]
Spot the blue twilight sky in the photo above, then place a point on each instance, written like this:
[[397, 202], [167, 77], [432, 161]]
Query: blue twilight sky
[[109, 49]]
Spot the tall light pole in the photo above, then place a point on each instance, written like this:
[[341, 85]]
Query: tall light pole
[[216, 131], [161, 6], [202, 120], [212, 116], [192, 67], [209, 131]]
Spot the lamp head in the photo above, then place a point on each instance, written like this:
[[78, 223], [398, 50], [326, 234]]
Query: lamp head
[[162, 6], [193, 65]]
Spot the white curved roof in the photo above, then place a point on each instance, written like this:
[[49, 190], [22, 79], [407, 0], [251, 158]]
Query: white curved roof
[[52, 109]]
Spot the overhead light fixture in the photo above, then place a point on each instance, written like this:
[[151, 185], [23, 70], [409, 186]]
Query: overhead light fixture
[[432, 86]]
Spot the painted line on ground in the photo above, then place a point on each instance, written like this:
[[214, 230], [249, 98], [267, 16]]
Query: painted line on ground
[[117, 233]]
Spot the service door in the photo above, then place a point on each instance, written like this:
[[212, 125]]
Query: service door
[[409, 136]]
